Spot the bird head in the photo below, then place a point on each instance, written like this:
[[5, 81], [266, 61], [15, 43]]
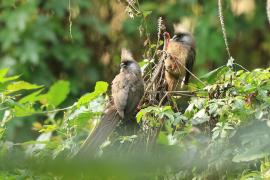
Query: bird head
[[128, 64], [167, 38], [184, 38]]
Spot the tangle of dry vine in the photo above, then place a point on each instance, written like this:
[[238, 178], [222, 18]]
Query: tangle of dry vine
[[221, 18]]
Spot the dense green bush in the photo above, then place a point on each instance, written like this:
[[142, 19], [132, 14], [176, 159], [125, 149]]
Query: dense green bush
[[225, 124]]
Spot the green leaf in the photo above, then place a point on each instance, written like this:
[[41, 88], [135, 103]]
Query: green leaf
[[200, 117], [56, 94], [49, 128], [142, 112], [146, 13], [144, 63], [139, 115], [31, 97], [3, 80], [212, 76], [23, 110], [21, 85], [3, 72], [100, 88], [167, 108], [81, 120]]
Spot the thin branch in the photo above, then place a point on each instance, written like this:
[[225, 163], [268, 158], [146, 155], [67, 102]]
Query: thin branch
[[70, 19], [55, 110], [179, 61], [241, 67], [190, 92], [161, 101], [156, 73]]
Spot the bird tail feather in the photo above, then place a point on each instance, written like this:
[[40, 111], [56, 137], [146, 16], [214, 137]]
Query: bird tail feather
[[102, 131]]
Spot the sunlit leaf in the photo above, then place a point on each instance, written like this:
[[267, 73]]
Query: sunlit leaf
[[31, 97], [23, 110], [100, 88], [56, 94], [21, 85], [3, 80], [3, 72]]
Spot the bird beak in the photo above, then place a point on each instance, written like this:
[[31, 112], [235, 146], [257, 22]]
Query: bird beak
[[123, 65]]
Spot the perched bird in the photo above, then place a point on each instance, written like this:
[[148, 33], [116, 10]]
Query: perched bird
[[180, 59], [127, 91]]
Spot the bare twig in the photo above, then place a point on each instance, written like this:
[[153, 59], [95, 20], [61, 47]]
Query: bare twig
[[70, 19], [162, 99], [241, 67], [155, 74], [55, 110]]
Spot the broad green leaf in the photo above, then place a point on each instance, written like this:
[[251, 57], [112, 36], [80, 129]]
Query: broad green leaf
[[21, 85], [100, 88], [56, 94]]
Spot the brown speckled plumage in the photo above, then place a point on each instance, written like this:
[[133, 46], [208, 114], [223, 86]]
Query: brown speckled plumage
[[127, 90], [181, 52]]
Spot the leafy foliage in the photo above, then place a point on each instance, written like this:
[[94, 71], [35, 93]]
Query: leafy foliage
[[227, 122]]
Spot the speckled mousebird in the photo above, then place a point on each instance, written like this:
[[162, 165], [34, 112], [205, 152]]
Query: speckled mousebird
[[127, 91], [181, 52]]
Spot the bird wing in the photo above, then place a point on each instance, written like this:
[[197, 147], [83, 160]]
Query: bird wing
[[120, 91], [136, 92], [127, 91], [189, 63]]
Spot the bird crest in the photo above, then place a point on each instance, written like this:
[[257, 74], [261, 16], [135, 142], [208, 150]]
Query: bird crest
[[126, 55], [186, 25]]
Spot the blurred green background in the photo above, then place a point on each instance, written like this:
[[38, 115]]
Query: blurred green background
[[36, 41]]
